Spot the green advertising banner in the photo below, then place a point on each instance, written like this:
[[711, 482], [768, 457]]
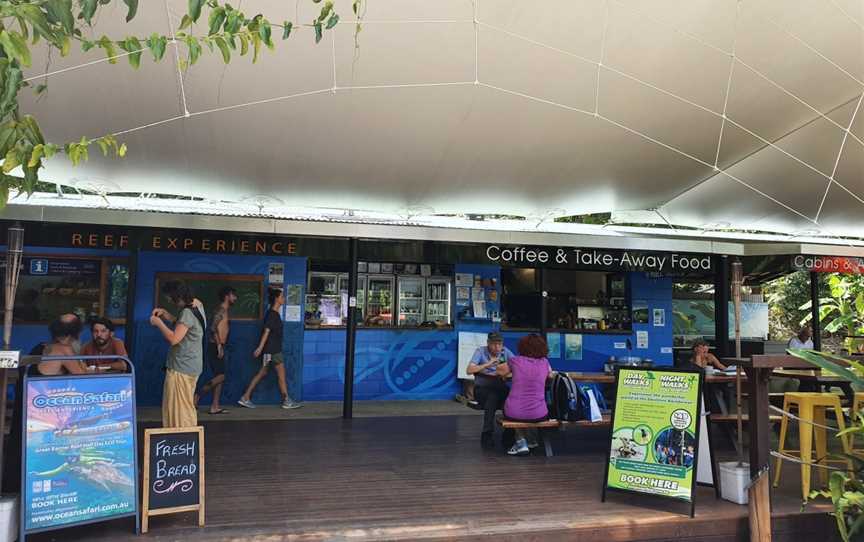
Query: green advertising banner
[[655, 433]]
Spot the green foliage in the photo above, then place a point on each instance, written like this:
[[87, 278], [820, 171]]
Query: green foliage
[[786, 296], [23, 23], [842, 311], [845, 489]]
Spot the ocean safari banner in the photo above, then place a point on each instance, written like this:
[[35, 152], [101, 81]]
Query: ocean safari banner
[[655, 433], [79, 450]]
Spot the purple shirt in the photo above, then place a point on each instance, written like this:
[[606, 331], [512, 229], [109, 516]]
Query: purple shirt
[[527, 399]]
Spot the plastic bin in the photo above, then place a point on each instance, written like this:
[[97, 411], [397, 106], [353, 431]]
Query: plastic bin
[[734, 481], [8, 518]]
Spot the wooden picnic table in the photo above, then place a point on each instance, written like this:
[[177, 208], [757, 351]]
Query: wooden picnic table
[[814, 380], [604, 378]]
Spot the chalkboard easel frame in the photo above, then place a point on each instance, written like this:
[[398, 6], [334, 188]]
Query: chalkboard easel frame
[[146, 512]]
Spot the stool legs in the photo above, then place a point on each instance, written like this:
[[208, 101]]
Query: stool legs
[[821, 444], [784, 426], [805, 431]]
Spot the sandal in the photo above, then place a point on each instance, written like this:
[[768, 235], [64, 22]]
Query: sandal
[[220, 411]]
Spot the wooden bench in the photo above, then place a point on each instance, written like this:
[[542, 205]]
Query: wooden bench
[[544, 427]]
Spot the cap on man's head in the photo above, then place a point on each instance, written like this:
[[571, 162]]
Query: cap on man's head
[[494, 337]]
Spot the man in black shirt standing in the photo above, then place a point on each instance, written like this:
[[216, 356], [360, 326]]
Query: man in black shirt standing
[[270, 352]]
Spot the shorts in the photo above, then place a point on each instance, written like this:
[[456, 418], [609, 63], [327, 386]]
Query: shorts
[[274, 359], [216, 365]]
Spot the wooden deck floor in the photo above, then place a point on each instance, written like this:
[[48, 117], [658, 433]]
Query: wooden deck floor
[[426, 478]]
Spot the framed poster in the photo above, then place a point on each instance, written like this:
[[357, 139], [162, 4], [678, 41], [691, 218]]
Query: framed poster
[[572, 347], [553, 341], [655, 436], [468, 344]]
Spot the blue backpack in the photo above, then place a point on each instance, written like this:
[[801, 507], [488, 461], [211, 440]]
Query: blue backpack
[[564, 404], [570, 401]]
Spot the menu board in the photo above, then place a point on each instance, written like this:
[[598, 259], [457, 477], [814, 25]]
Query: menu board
[[173, 472], [655, 433], [78, 450]]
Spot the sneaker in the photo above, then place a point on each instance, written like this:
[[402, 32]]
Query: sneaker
[[520, 448], [288, 404], [246, 403], [533, 444]]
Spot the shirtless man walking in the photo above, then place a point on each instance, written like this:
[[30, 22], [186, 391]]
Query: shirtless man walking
[[217, 338]]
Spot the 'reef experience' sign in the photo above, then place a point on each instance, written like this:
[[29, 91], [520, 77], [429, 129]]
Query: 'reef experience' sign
[[605, 259]]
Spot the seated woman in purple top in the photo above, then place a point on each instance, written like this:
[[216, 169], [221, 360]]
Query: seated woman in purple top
[[527, 399]]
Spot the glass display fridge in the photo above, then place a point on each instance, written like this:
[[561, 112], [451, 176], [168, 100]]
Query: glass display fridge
[[379, 301], [361, 296], [438, 301], [324, 301], [411, 301]]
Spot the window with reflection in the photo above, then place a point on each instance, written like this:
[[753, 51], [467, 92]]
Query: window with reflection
[[521, 303]]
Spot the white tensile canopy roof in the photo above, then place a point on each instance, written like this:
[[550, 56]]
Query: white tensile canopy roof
[[701, 113]]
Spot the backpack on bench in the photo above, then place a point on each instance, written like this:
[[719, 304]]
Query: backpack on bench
[[572, 402], [565, 399]]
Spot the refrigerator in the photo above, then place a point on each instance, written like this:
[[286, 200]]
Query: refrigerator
[[438, 293], [379, 301], [361, 296], [411, 299], [323, 300]]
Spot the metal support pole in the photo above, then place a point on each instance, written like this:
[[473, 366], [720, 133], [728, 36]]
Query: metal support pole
[[131, 289], [721, 304], [815, 325], [14, 253], [350, 333], [544, 299]]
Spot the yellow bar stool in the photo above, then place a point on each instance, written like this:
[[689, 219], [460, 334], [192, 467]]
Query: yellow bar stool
[[811, 409]]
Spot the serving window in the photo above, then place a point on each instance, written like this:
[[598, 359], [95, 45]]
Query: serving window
[[586, 301], [49, 286], [388, 295], [572, 300], [522, 300]]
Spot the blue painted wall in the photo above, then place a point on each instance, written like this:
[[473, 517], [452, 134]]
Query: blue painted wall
[[388, 363], [151, 349], [413, 364]]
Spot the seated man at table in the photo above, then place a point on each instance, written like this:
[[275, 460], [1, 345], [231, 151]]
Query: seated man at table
[[702, 358], [802, 341], [490, 390], [103, 343]]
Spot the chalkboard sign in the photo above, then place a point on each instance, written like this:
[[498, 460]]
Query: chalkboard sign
[[173, 472], [250, 292]]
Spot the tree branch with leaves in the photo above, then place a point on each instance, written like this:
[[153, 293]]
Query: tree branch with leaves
[[61, 23]]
